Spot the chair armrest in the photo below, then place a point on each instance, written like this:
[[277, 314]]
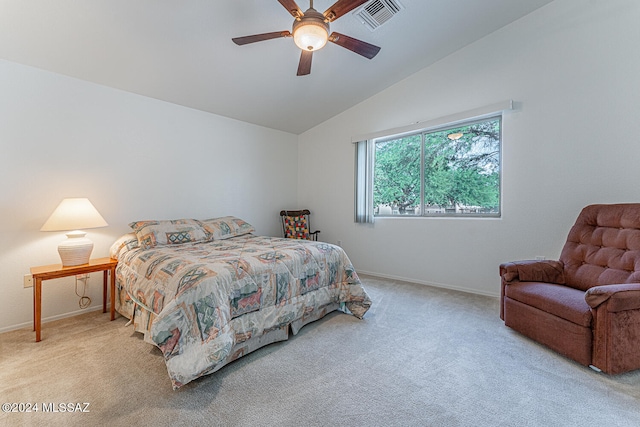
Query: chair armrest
[[625, 296], [547, 271]]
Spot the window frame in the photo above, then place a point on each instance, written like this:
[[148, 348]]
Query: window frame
[[423, 133]]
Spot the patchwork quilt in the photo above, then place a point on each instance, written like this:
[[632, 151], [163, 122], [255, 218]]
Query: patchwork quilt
[[199, 301]]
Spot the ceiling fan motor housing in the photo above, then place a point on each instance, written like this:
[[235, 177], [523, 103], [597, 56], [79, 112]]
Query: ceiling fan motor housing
[[311, 31]]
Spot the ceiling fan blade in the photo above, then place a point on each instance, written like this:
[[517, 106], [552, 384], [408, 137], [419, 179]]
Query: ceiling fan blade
[[292, 7], [260, 37], [358, 46], [341, 7], [304, 67]]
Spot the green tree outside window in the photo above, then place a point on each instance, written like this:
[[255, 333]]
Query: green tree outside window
[[449, 171]]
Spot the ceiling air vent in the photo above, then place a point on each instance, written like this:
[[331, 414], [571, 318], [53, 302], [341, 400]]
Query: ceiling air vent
[[377, 12]]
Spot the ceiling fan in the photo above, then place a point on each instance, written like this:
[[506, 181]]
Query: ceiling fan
[[310, 32]]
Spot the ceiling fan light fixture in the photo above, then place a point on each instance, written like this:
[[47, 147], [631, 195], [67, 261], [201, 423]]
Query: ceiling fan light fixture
[[310, 37], [311, 32]]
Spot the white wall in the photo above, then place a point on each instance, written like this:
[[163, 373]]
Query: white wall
[[572, 67], [135, 158]]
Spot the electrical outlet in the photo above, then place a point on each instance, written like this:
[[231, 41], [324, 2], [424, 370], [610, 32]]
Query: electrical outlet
[[28, 281], [540, 258], [82, 277], [340, 243]]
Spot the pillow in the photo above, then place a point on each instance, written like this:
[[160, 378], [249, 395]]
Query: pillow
[[169, 232], [226, 227], [296, 227], [125, 243]]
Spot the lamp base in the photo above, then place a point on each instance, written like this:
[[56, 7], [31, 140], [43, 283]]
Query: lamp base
[[76, 250]]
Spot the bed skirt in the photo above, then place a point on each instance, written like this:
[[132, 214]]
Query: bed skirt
[[142, 318]]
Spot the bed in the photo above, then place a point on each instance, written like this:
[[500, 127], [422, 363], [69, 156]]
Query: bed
[[207, 292]]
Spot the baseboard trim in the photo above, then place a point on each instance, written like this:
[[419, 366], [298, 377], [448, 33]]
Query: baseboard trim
[[427, 283], [368, 273], [52, 318]]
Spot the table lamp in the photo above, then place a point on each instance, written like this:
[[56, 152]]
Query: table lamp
[[74, 214]]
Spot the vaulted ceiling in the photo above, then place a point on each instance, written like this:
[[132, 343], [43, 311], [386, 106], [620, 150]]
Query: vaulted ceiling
[[180, 51]]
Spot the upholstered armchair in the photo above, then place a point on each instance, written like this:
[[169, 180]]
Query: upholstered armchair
[[586, 305], [296, 225]]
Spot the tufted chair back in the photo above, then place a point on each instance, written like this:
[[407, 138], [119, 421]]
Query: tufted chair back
[[603, 247]]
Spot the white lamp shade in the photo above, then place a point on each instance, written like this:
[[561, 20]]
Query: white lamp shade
[[74, 214]]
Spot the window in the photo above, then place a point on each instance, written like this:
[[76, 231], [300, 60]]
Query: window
[[446, 171]]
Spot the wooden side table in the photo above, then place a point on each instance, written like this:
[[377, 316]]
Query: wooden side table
[[56, 271]]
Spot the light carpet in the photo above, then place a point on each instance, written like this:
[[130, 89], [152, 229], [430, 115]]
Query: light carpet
[[422, 356]]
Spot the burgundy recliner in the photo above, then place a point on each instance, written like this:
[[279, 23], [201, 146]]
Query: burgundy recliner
[[586, 306]]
